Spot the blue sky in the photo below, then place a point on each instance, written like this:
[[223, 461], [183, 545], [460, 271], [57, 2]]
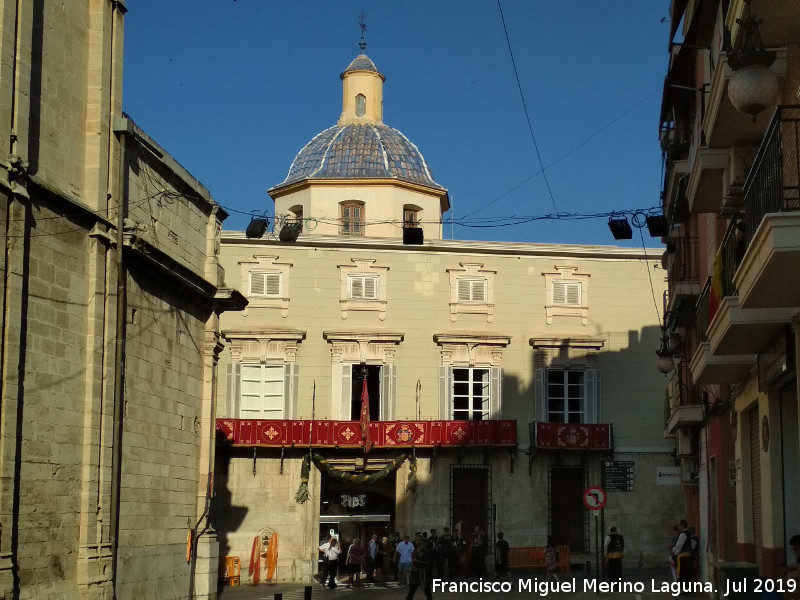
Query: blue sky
[[233, 89]]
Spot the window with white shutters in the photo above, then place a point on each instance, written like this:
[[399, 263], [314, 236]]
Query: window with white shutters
[[363, 287], [264, 283], [262, 390], [471, 290], [567, 293]]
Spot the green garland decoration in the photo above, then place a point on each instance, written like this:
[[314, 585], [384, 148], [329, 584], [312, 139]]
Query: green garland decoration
[[411, 487], [323, 463], [302, 492]]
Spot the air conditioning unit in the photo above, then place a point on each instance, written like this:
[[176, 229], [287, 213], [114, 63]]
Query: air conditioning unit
[[684, 445], [689, 471]]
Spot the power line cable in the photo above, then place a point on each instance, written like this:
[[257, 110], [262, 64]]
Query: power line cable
[[568, 153], [525, 108]]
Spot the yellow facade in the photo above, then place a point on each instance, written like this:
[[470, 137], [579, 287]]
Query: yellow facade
[[430, 325]]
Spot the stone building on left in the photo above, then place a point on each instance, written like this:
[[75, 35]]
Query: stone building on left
[[107, 358]]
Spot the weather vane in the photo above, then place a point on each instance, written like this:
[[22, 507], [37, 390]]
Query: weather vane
[[362, 44]]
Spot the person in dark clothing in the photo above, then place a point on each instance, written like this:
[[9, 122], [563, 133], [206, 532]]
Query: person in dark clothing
[[614, 548], [421, 568], [683, 552], [433, 545], [501, 556], [477, 560], [447, 554], [459, 549]]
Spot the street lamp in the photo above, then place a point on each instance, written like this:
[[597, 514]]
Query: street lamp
[[753, 87]]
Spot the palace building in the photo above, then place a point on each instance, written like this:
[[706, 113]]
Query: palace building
[[383, 379]]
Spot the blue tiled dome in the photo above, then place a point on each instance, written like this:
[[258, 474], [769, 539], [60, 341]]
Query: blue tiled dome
[[362, 63], [356, 151]]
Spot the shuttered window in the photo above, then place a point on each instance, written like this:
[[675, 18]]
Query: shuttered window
[[352, 219], [262, 391], [471, 290], [265, 283], [567, 293], [362, 287], [569, 395], [470, 394]]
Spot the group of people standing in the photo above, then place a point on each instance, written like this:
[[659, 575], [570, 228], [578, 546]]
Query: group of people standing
[[412, 564]]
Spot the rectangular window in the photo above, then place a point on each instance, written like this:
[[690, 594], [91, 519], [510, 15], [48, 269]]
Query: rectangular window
[[410, 218], [352, 219], [566, 394], [362, 287], [262, 392], [470, 394], [264, 283], [567, 293], [471, 290]]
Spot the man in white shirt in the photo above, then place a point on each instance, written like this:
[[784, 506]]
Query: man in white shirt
[[332, 554], [323, 550], [405, 552]]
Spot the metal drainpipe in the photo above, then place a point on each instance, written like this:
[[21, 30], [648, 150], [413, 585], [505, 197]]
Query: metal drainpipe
[[6, 296], [193, 566], [119, 374], [210, 483]]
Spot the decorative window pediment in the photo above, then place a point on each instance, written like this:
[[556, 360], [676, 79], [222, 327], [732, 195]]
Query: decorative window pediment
[[363, 287], [472, 291], [471, 375], [567, 379], [351, 348], [567, 294], [265, 282], [262, 377]]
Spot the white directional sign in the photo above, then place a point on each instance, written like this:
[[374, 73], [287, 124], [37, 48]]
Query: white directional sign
[[594, 498]]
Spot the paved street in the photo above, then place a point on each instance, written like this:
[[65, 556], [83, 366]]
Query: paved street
[[645, 578]]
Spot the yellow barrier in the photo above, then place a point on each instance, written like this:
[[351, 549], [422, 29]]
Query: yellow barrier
[[532, 557]]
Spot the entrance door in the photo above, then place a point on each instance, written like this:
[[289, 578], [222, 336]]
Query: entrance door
[[755, 481], [470, 500], [567, 512], [790, 450]]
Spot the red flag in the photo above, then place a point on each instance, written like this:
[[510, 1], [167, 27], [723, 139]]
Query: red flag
[[365, 417]]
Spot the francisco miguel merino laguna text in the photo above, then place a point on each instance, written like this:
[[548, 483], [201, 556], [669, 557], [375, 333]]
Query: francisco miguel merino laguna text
[[544, 587]]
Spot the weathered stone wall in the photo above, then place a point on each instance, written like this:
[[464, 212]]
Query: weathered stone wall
[[60, 189]]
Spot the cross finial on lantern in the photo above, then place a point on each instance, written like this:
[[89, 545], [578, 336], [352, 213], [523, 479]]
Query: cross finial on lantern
[[363, 43]]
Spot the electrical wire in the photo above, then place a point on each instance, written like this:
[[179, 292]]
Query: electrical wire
[[525, 108], [567, 154]]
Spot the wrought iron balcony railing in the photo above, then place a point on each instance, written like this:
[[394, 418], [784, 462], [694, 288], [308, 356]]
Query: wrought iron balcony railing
[[685, 262], [701, 312], [773, 183]]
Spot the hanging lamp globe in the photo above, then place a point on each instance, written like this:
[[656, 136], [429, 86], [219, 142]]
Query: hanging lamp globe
[[753, 88], [664, 364]]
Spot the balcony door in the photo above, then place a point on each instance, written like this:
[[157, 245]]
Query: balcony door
[[353, 381]]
